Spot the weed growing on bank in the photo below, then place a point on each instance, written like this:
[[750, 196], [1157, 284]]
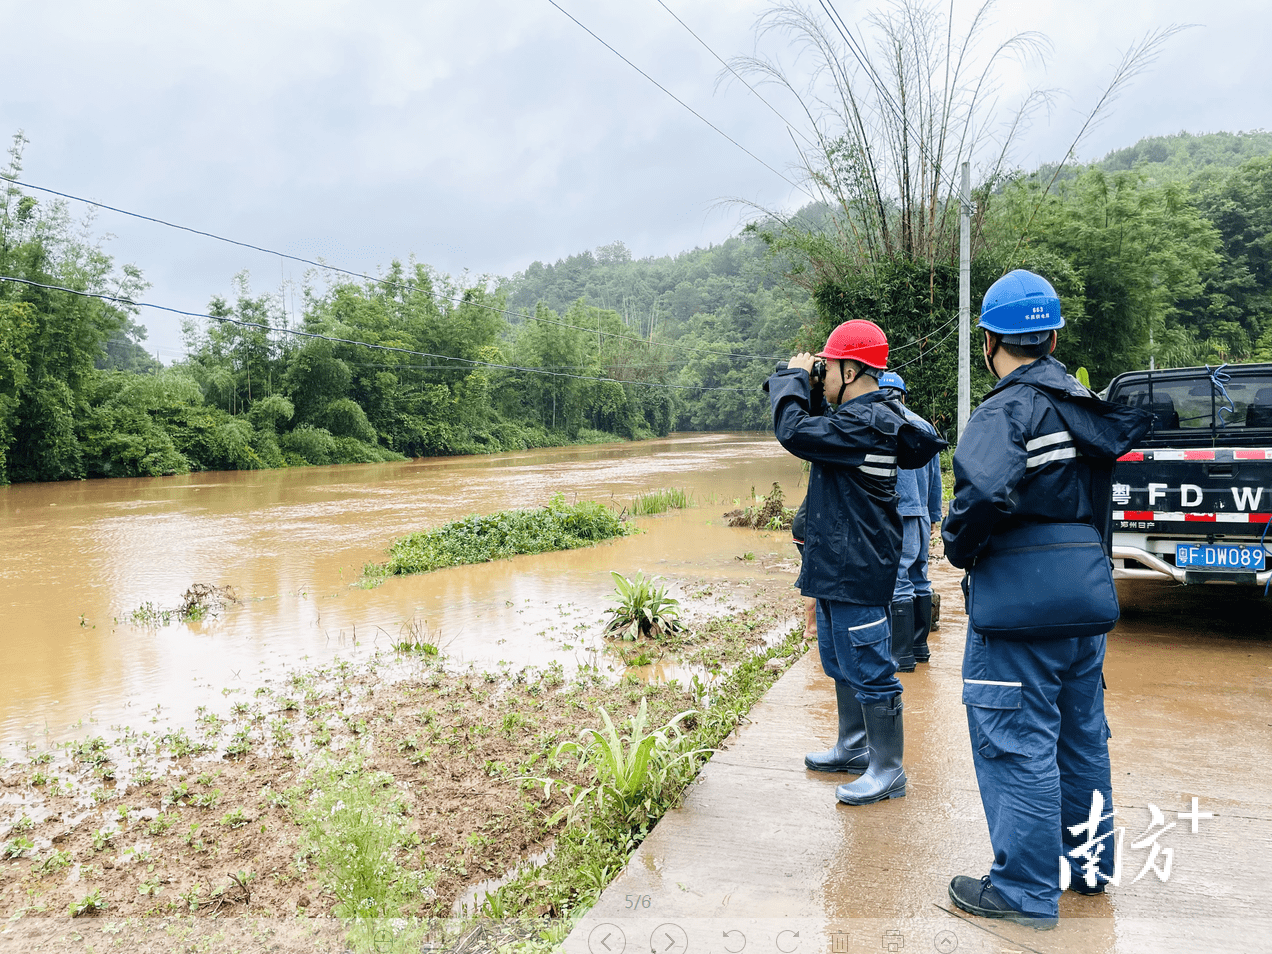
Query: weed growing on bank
[[497, 536], [643, 609], [636, 776], [354, 833]]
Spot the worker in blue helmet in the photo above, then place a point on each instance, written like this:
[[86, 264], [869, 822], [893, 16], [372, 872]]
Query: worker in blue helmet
[[919, 493], [1038, 450]]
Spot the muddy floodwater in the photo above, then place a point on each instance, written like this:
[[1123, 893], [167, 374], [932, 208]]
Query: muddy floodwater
[[77, 559]]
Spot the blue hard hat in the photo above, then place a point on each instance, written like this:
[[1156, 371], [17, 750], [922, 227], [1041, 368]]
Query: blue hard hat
[[891, 379], [1021, 306]]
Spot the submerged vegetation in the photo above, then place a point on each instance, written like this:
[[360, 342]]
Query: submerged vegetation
[[198, 602], [497, 536], [763, 513], [660, 501]]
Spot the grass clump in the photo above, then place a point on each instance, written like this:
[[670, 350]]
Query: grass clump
[[355, 836], [417, 636], [660, 501], [635, 769], [636, 776], [644, 609], [496, 536]]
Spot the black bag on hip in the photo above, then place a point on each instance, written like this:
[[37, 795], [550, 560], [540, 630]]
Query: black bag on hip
[[1043, 581]]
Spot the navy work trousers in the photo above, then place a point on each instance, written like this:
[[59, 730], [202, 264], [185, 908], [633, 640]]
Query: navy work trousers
[[1035, 712], [912, 571], [855, 643]]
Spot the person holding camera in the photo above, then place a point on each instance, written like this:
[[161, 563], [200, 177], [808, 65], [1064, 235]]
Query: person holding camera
[[852, 542]]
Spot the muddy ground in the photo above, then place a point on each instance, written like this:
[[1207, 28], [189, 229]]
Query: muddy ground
[[196, 840]]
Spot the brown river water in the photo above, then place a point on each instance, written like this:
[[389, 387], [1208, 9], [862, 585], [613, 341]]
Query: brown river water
[[77, 558]]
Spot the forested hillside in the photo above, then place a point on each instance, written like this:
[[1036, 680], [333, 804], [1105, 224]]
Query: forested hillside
[[1164, 249]]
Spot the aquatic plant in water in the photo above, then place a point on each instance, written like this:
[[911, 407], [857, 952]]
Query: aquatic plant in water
[[198, 602], [660, 501]]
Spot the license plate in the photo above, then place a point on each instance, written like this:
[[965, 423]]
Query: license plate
[[1215, 556]]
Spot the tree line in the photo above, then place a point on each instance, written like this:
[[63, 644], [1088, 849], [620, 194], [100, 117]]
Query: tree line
[[1165, 253]]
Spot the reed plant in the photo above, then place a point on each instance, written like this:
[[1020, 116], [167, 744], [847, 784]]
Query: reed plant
[[660, 501]]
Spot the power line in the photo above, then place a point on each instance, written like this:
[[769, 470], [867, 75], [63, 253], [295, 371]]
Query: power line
[[349, 341], [683, 103], [739, 76], [388, 283], [927, 353]]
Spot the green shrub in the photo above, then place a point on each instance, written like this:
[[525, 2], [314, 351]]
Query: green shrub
[[308, 445], [345, 418], [480, 539]]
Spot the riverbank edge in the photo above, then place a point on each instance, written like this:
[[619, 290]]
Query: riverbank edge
[[218, 864]]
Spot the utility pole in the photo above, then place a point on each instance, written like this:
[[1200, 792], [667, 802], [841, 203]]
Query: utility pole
[[965, 301]]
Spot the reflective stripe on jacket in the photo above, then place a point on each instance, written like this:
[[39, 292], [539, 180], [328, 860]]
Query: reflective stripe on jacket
[[1039, 449]]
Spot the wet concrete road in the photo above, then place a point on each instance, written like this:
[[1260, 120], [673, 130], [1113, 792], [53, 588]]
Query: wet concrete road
[[762, 859]]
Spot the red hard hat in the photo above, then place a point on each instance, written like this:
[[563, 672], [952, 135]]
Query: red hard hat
[[860, 340]]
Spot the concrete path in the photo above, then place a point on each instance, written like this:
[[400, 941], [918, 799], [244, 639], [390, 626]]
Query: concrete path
[[761, 858]]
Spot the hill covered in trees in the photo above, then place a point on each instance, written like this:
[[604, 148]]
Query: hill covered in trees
[[1162, 249]]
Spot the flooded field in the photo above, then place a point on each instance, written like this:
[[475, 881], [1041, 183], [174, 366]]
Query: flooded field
[[78, 559]]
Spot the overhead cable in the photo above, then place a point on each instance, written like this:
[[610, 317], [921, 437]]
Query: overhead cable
[[772, 108], [388, 283], [683, 103]]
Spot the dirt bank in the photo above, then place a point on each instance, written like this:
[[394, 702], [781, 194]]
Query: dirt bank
[[160, 826]]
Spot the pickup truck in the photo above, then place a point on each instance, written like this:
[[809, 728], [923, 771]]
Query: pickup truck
[[1192, 503]]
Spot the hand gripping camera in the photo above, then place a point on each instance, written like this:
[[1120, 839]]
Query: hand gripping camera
[[818, 378]]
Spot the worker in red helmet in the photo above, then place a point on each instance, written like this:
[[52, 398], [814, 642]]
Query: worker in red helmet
[[852, 543]]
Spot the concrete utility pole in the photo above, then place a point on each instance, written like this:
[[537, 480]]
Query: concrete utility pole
[[965, 301]]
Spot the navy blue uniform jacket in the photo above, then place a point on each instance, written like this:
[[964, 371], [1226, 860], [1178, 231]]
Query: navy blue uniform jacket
[[1039, 449], [852, 540]]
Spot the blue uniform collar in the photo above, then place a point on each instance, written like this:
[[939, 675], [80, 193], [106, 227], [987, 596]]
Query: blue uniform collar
[[1046, 372], [870, 397]]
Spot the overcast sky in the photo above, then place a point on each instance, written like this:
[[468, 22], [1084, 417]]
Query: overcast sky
[[486, 134]]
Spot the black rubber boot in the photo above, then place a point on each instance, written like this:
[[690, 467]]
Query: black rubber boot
[[902, 613], [922, 626], [885, 778], [850, 753]]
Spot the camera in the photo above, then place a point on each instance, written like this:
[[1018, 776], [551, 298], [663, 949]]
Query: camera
[[817, 376], [818, 373]]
